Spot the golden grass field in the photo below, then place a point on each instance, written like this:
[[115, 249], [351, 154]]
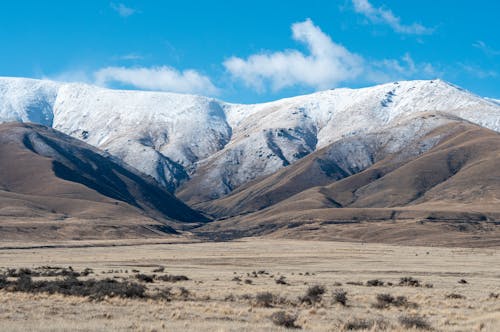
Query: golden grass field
[[218, 302]]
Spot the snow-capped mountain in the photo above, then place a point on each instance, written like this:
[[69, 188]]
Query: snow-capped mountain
[[219, 146]]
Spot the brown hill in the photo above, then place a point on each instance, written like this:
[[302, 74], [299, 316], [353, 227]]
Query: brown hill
[[449, 194], [54, 186]]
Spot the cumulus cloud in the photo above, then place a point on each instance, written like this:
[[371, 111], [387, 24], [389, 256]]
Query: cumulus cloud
[[123, 10], [162, 78], [385, 16], [326, 65]]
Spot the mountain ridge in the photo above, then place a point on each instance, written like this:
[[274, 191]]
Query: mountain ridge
[[199, 144]]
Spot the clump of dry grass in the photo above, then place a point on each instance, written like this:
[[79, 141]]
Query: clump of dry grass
[[172, 278], [184, 293], [409, 281], [284, 319], [358, 324], [145, 277], [339, 296], [47, 271], [455, 296], [375, 283], [159, 269], [414, 322], [264, 299], [387, 300], [313, 295], [95, 289], [281, 281]]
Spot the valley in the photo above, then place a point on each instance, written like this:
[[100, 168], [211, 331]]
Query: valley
[[227, 283]]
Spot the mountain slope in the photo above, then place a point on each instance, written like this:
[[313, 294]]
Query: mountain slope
[[204, 148], [344, 158], [49, 176], [454, 186]]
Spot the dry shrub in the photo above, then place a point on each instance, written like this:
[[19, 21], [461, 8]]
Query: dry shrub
[[172, 278], [281, 281], [284, 319], [264, 299], [95, 289], [313, 295], [414, 322], [145, 277], [159, 269], [340, 296], [409, 281], [386, 300], [455, 296], [374, 283], [358, 324]]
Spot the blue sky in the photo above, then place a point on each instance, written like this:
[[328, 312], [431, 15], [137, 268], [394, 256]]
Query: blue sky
[[252, 51]]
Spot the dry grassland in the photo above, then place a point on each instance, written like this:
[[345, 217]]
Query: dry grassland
[[223, 287]]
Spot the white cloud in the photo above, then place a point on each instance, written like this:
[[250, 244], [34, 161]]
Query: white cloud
[[326, 66], [130, 56], [477, 71], [399, 69], [71, 76], [157, 78], [385, 16], [123, 10], [485, 48]]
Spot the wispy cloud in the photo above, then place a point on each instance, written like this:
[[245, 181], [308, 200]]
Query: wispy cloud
[[485, 48], [77, 75], [122, 10], [327, 65], [379, 71], [383, 15], [129, 56], [157, 78], [476, 71]]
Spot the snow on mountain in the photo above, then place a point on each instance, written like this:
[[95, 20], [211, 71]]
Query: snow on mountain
[[161, 134], [27, 100], [174, 137], [496, 101]]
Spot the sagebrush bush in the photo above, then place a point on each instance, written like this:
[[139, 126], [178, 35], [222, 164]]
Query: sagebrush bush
[[282, 318], [414, 322], [358, 324], [340, 296], [281, 281], [374, 283], [455, 296], [409, 281], [387, 300], [95, 289], [145, 277], [172, 278], [264, 299], [313, 295]]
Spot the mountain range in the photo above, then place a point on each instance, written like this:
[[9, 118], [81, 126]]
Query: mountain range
[[321, 165]]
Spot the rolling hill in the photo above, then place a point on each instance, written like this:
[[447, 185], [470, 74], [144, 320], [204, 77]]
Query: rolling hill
[[55, 186]]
